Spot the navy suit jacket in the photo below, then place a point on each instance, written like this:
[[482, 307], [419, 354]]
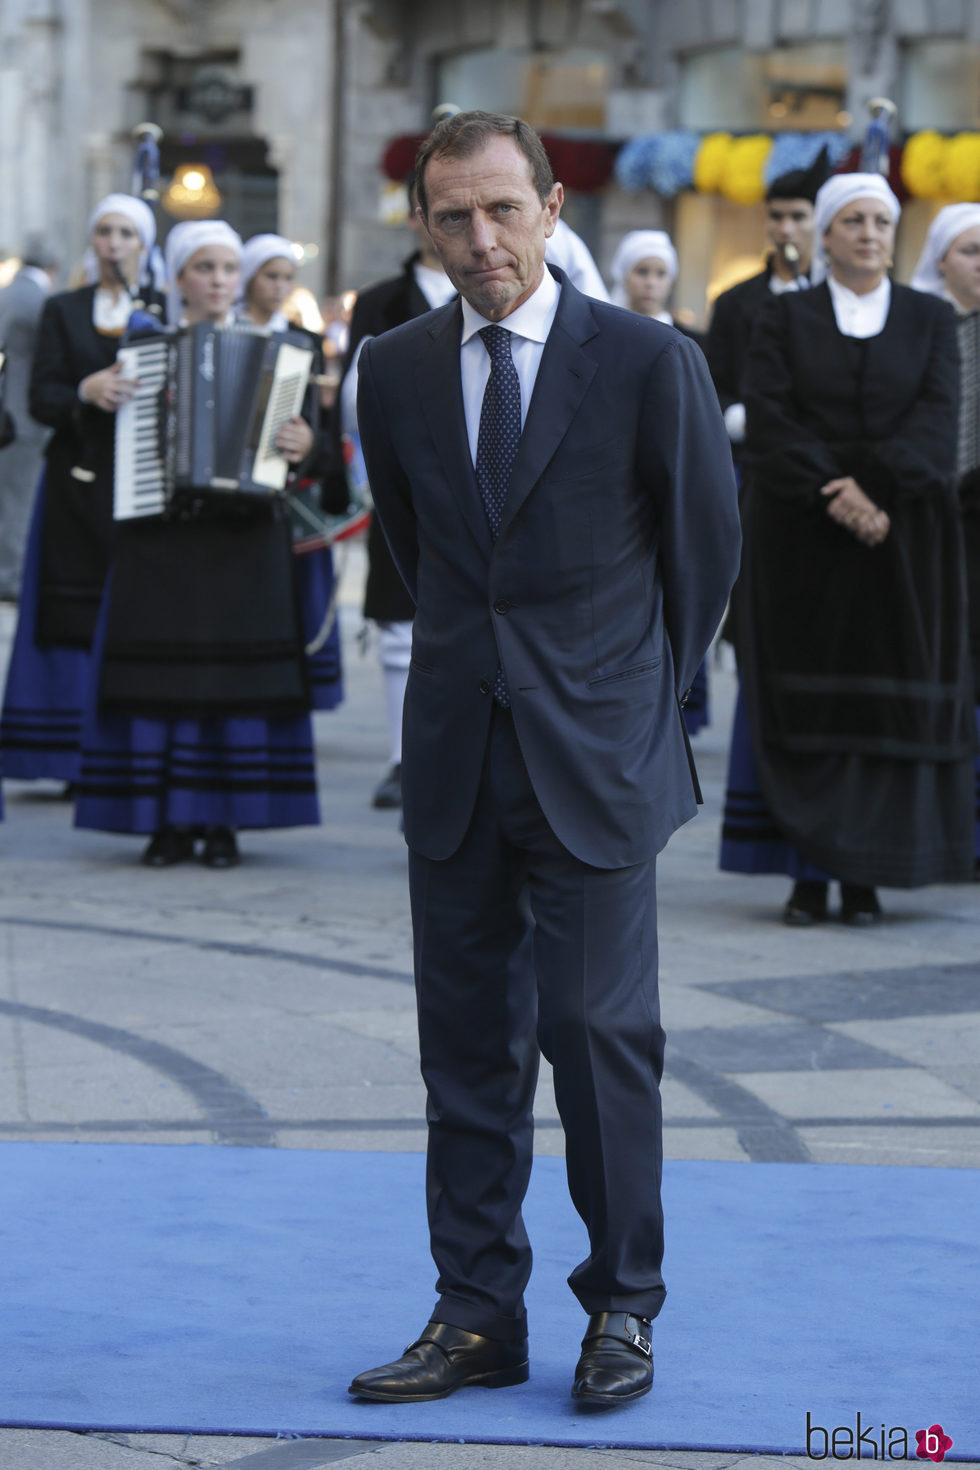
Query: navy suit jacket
[[617, 549]]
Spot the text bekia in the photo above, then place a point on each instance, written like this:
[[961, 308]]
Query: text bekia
[[870, 1441]]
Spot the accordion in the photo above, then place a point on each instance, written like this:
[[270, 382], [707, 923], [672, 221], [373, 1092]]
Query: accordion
[[205, 417]]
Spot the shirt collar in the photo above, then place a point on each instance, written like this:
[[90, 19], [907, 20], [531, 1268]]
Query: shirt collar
[[532, 319], [865, 303]]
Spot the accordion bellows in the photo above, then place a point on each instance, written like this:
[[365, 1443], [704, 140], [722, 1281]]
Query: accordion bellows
[[205, 418]]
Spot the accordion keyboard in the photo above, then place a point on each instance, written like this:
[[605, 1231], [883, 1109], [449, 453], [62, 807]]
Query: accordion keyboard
[[140, 486], [286, 393]]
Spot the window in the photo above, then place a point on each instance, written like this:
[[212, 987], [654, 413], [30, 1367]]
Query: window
[[793, 87], [552, 90], [940, 86]]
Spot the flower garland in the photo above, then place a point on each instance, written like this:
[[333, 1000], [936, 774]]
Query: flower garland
[[929, 166], [935, 167], [739, 168], [583, 164]]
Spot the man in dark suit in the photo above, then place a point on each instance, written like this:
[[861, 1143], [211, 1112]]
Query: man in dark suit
[[555, 483]]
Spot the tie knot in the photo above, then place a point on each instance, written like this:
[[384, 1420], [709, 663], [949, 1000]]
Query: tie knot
[[497, 341]]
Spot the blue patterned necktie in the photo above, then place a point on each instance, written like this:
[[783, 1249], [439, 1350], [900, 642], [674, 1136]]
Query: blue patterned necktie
[[496, 448]]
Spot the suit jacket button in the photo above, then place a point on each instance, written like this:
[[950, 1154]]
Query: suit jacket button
[[484, 686], [501, 605]]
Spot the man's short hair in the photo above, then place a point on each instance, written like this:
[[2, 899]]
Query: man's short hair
[[466, 133], [38, 253]]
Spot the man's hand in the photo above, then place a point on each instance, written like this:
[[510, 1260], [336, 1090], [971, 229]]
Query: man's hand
[[851, 508]]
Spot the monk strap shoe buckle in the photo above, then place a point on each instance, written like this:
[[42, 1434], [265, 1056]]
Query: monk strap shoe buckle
[[616, 1365]]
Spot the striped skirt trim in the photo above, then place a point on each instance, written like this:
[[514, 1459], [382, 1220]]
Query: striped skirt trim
[[751, 841], [46, 689], [138, 775]]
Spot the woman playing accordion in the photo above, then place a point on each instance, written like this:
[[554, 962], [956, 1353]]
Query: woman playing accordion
[[198, 721]]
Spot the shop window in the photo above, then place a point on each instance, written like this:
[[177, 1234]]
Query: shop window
[[561, 90], [801, 88], [940, 86]]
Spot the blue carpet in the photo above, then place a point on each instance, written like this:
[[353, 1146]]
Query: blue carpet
[[202, 1289]]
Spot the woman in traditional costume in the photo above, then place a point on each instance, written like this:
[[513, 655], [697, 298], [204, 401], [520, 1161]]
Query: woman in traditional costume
[[198, 724], [268, 279], [76, 388], [852, 750], [643, 270]]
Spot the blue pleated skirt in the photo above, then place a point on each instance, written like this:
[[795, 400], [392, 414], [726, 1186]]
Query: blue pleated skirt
[[316, 584], [138, 774], [750, 840], [46, 689], [697, 711]]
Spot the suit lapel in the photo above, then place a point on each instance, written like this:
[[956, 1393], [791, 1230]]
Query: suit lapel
[[441, 384], [562, 382]]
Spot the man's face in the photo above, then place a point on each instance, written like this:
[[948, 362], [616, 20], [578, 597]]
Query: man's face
[[488, 226], [790, 222]]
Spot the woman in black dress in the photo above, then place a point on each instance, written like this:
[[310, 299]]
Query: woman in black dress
[[856, 688], [268, 280], [197, 724], [643, 270], [76, 388]]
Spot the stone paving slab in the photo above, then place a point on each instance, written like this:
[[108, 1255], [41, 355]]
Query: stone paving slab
[[273, 1004], [47, 1450]]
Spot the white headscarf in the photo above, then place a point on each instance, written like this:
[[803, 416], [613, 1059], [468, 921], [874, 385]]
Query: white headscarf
[[260, 249], [946, 228], [836, 194], [185, 240], [140, 216], [636, 246]]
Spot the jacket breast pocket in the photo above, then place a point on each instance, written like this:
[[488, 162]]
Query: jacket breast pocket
[[591, 462], [624, 676]]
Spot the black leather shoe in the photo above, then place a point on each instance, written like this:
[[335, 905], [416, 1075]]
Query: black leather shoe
[[859, 906], [806, 905], [220, 848], [388, 793], [616, 1365], [166, 847], [443, 1359]]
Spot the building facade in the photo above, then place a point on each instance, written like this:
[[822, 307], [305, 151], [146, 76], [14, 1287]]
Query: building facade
[[292, 104]]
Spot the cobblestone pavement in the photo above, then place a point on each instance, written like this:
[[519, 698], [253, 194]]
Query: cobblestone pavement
[[272, 1005]]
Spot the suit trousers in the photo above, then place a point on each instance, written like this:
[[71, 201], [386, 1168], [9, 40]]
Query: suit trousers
[[521, 949]]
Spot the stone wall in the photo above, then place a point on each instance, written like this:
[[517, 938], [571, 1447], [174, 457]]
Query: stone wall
[[75, 75]]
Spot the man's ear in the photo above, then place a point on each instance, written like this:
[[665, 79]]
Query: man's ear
[[553, 205]]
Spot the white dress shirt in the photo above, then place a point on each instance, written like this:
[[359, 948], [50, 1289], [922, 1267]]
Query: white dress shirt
[[529, 326], [860, 316], [435, 285]]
